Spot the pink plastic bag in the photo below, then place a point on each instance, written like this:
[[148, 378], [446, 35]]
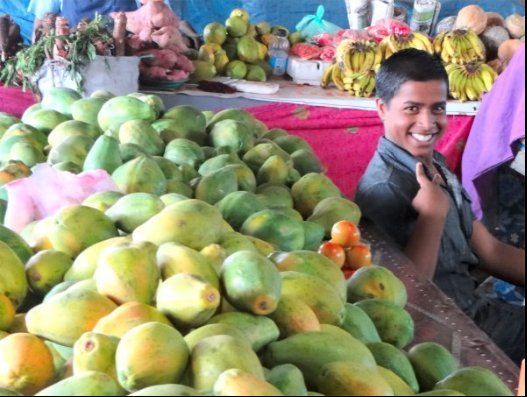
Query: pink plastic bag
[[48, 190], [387, 27]]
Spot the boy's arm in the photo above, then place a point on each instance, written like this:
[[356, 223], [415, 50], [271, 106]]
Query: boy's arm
[[432, 205], [499, 259]]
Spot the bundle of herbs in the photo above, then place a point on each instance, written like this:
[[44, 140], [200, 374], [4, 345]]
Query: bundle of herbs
[[74, 48]]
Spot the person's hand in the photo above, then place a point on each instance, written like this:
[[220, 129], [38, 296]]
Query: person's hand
[[431, 201]]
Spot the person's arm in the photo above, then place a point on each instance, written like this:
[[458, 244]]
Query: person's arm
[[37, 25], [432, 205], [498, 259]]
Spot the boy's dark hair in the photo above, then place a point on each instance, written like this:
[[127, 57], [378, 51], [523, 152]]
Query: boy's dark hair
[[408, 65]]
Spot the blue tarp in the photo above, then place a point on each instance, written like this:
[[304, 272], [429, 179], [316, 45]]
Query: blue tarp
[[289, 12], [284, 12]]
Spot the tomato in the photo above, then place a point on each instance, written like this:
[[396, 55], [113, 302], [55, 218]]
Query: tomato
[[333, 251], [359, 256], [345, 233], [348, 273]]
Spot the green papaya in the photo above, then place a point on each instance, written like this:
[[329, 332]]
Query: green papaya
[[306, 162], [217, 354], [86, 110], [258, 155], [141, 175], [432, 363], [236, 207], [129, 151], [475, 381], [259, 331], [74, 149], [359, 324], [314, 234], [335, 209], [85, 384], [213, 187], [182, 151], [275, 170], [218, 162], [119, 110], [251, 282], [60, 99], [291, 143], [140, 133], [394, 324], [232, 134], [133, 210], [311, 351], [70, 128], [275, 196], [104, 155], [288, 379], [389, 357], [310, 190]]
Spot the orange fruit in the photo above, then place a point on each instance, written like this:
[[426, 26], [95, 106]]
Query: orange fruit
[[333, 251], [359, 256], [27, 364], [345, 233]]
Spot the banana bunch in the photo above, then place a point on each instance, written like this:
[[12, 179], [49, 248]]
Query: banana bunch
[[470, 81], [460, 47], [358, 56], [396, 42], [361, 84], [355, 66]]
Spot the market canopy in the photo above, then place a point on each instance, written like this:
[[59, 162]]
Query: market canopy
[[288, 13]]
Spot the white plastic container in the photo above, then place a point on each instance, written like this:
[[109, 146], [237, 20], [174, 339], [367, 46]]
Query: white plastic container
[[307, 72]]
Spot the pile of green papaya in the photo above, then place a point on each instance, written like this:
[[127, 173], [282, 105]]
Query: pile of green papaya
[[199, 276]]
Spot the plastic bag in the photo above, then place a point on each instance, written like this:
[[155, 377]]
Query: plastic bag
[[49, 190], [387, 27], [315, 25]]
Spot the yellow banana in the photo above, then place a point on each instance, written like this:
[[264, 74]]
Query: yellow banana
[[438, 43], [369, 60], [368, 91], [327, 76], [471, 91], [490, 70], [479, 85], [424, 42], [487, 77], [337, 78], [476, 44], [349, 64], [378, 56]]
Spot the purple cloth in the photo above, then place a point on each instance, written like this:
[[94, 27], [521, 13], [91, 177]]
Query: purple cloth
[[500, 123]]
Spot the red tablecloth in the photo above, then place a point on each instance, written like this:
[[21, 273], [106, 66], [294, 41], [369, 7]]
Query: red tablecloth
[[345, 140], [15, 101]]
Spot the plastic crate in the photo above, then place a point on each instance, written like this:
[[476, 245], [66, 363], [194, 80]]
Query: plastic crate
[[306, 72]]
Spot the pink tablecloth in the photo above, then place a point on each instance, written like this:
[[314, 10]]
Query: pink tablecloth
[[345, 140], [14, 101]]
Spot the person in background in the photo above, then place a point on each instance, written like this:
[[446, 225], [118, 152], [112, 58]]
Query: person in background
[[75, 11], [411, 195]]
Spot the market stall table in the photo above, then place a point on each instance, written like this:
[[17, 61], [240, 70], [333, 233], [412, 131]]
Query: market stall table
[[437, 317]]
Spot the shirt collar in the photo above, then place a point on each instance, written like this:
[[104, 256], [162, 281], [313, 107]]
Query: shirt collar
[[401, 158]]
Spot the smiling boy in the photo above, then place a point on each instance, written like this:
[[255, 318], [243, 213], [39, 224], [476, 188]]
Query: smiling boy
[[411, 195]]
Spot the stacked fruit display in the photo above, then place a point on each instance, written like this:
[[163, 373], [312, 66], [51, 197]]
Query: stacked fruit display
[[198, 276], [346, 248], [354, 67], [237, 49]]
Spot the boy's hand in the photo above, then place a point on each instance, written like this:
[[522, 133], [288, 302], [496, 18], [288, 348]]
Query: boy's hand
[[431, 201]]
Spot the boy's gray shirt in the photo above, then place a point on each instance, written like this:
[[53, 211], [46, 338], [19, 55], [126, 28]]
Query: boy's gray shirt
[[385, 195]]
